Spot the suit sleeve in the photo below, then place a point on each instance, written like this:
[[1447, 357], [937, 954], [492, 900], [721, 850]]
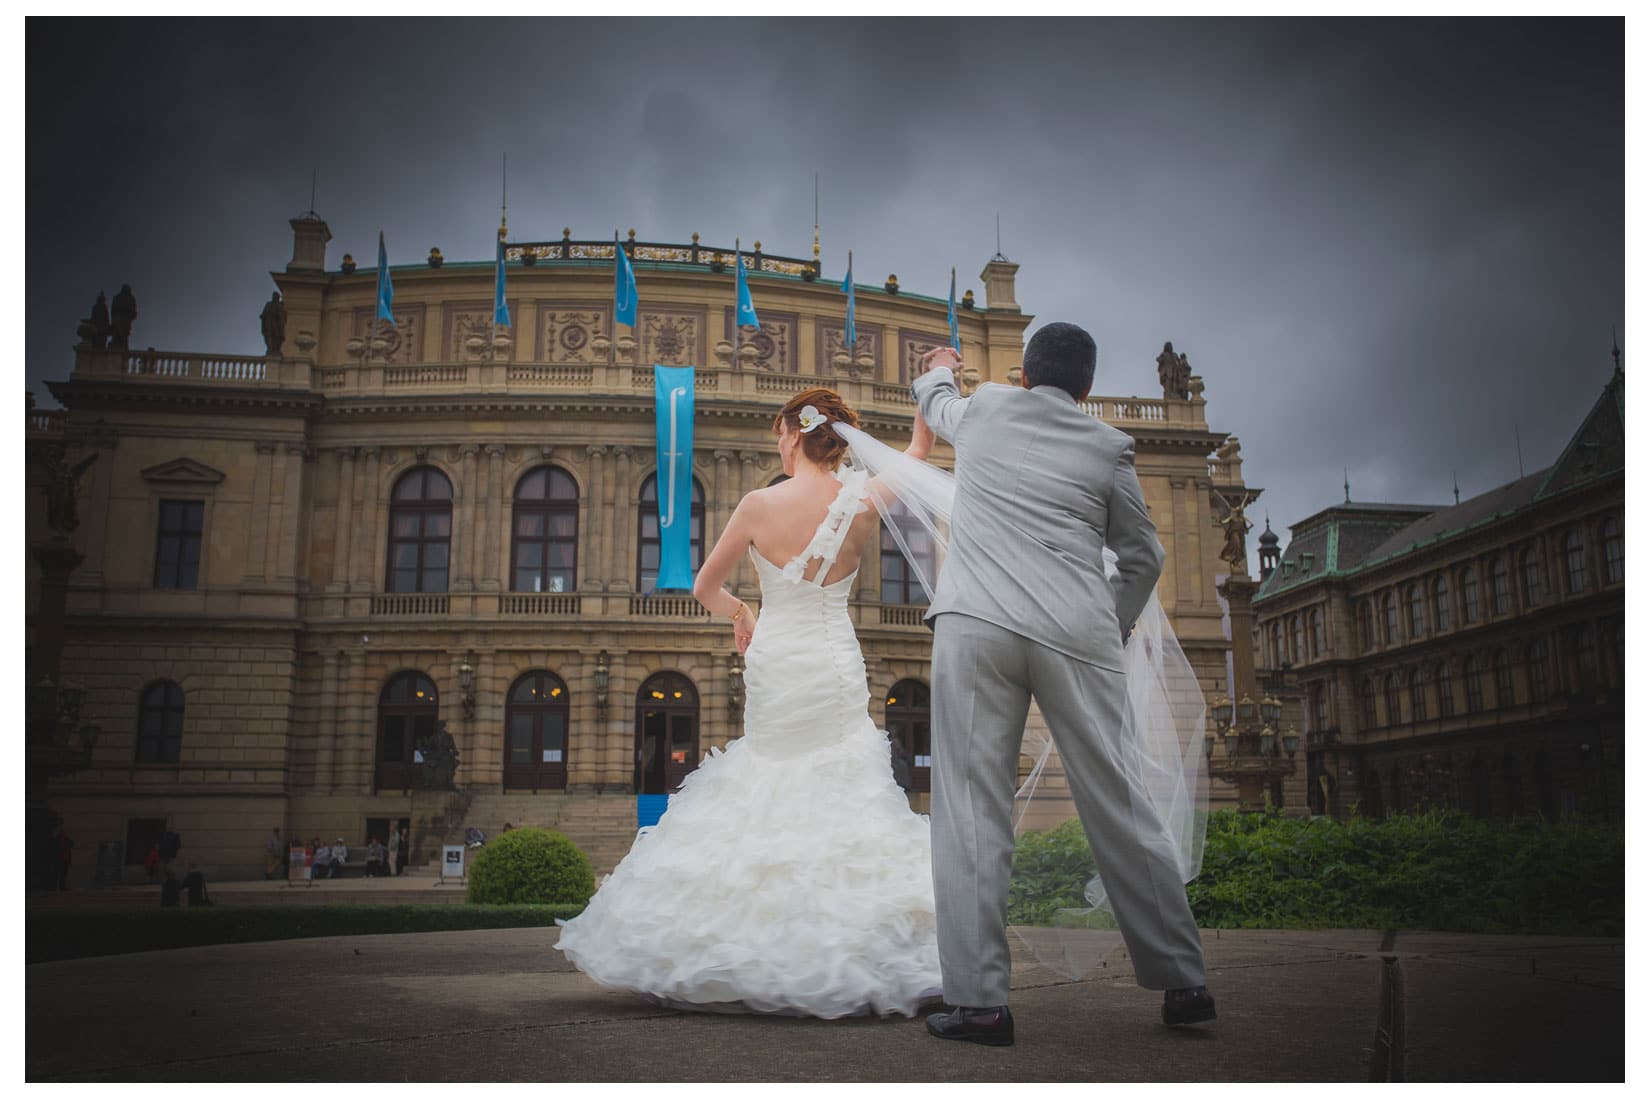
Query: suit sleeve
[[942, 406], [1133, 538]]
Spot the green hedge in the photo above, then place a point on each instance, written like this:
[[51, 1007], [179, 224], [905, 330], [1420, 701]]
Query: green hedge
[[1442, 871], [72, 934], [529, 867]]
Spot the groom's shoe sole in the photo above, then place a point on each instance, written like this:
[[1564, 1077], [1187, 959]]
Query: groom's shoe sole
[[1202, 1014], [985, 1039]]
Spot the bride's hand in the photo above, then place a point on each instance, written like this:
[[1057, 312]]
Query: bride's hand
[[744, 627]]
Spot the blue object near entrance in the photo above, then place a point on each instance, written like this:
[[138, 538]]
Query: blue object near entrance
[[650, 808]]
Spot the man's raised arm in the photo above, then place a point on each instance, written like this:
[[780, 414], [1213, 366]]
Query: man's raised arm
[[935, 389]]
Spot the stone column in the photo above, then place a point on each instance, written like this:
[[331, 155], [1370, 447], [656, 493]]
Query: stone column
[[329, 729], [257, 533], [464, 573], [275, 508], [744, 578], [593, 525], [723, 497], [615, 559], [341, 519], [490, 544], [366, 535], [292, 500]]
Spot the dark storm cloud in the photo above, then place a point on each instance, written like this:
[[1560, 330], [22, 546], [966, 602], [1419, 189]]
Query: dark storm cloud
[[1381, 243]]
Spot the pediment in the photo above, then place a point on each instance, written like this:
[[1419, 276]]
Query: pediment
[[183, 471]]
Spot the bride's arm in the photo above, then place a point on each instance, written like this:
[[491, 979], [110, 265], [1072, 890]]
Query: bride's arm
[[708, 586], [922, 438]]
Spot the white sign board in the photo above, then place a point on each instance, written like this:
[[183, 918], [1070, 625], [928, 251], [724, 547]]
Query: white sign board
[[452, 861]]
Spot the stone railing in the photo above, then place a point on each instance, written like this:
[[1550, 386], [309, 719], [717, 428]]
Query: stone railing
[[538, 603], [48, 421], [897, 614], [410, 603], [669, 607], [720, 381], [529, 253]]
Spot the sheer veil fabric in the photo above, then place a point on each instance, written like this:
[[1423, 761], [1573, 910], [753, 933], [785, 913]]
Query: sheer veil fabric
[[1164, 744]]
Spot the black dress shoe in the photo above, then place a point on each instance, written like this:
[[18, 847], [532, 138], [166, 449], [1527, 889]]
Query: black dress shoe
[[1188, 1006], [992, 1027]]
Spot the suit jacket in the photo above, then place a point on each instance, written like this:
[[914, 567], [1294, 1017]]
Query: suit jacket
[[1042, 489]]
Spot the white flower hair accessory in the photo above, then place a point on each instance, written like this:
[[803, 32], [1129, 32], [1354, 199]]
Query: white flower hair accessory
[[810, 418]]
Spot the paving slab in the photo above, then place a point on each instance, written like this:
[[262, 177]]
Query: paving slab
[[502, 1005]]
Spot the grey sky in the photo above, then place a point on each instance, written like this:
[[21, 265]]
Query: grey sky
[[1381, 243]]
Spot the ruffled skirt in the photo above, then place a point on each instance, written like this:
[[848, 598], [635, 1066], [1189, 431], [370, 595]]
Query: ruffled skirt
[[788, 876]]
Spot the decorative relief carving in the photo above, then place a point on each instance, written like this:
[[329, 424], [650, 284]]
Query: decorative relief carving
[[829, 339], [673, 338], [775, 341], [566, 332], [474, 319], [913, 345], [402, 344]]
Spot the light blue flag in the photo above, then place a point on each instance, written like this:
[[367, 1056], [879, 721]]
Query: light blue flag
[[848, 289], [745, 312], [501, 311], [386, 292], [624, 286], [673, 423], [951, 315]]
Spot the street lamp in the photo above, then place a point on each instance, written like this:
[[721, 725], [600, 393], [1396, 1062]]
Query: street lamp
[[1291, 741], [601, 683], [1271, 710], [466, 680], [1222, 711], [736, 686]]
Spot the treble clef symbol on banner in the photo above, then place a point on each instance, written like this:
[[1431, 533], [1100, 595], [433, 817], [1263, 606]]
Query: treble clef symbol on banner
[[672, 454]]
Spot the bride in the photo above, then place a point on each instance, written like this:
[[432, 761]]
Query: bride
[[789, 874]]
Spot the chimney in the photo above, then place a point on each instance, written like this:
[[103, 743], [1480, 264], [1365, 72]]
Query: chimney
[[309, 244], [998, 277]]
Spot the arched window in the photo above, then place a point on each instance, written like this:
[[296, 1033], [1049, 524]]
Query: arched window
[[535, 724], [647, 527], [1297, 640], [906, 720], [1320, 707], [1318, 647], [1417, 612], [544, 538], [1474, 676], [1512, 784], [407, 709], [1366, 626], [421, 526], [1469, 595], [667, 732], [1541, 674], [1368, 703], [1615, 565], [1480, 787], [1440, 603], [1534, 589], [1418, 695], [1575, 562], [1504, 696], [1389, 615], [1586, 651], [160, 723], [1394, 701], [1546, 787], [1500, 586], [1397, 789], [1276, 636], [899, 578], [1446, 691]]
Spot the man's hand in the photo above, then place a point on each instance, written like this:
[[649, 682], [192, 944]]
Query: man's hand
[[944, 356]]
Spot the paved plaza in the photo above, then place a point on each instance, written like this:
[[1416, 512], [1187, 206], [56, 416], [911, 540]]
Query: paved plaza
[[502, 1005]]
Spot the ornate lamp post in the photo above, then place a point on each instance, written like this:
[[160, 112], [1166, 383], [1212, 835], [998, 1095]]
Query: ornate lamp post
[[1251, 760], [601, 684]]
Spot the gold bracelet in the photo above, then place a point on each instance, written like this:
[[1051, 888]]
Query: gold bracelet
[[737, 615]]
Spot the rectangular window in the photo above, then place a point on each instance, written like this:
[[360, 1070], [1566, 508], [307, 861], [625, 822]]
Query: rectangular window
[[178, 543]]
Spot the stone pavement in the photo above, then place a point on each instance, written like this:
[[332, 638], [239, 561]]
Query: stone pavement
[[502, 1005]]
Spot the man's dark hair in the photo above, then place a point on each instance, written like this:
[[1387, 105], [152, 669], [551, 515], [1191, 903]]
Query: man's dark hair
[[1061, 354]]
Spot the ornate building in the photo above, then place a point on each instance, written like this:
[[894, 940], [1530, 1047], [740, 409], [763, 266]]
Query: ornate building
[[297, 566], [1470, 655]]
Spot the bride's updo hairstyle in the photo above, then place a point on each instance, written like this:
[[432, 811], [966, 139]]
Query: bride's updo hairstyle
[[821, 445]]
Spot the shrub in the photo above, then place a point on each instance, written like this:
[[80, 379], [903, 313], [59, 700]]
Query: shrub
[[530, 867], [1439, 870]]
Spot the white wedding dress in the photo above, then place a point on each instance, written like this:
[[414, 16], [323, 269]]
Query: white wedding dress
[[789, 874]]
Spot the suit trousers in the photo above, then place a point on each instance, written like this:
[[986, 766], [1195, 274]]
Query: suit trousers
[[985, 677]]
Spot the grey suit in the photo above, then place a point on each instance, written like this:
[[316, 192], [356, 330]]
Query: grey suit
[[1023, 611]]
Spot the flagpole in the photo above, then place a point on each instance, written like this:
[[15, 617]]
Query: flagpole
[[613, 325], [738, 329]]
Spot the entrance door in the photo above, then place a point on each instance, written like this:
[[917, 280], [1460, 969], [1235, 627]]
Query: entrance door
[[667, 733]]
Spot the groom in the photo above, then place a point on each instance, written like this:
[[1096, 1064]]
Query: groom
[[1023, 610]]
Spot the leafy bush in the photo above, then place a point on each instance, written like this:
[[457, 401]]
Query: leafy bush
[[530, 867], [1439, 870], [72, 934]]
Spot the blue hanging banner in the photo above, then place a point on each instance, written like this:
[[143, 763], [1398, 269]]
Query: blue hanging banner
[[673, 421]]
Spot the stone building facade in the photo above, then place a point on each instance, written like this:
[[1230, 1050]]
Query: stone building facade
[[295, 565], [1469, 656]]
